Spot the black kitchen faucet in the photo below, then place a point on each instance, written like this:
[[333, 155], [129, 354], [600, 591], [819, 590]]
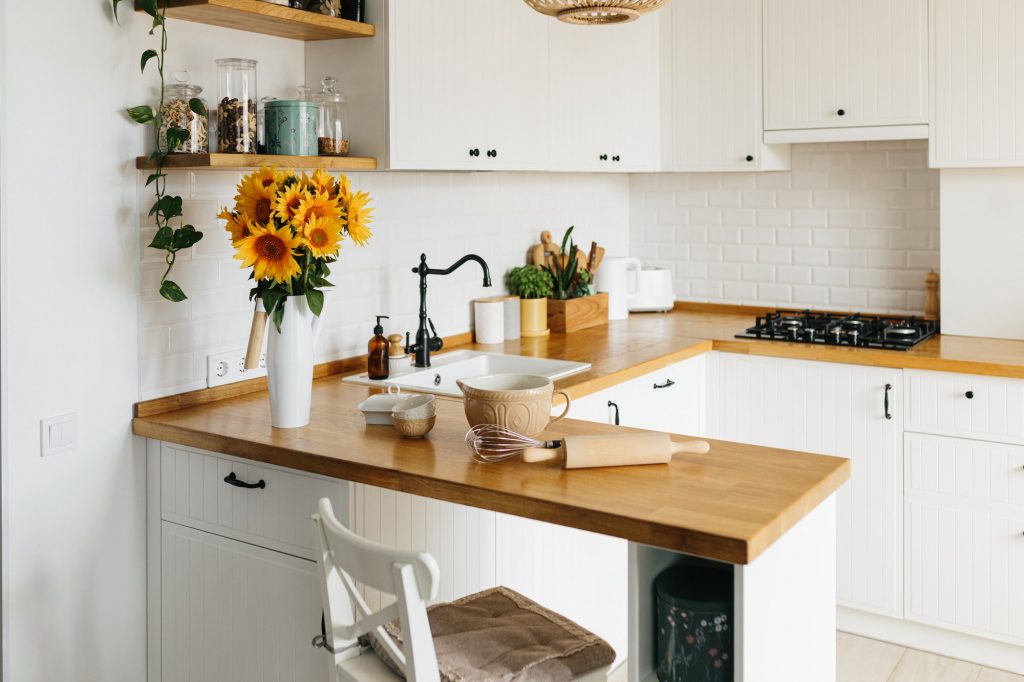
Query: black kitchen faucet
[[428, 342]]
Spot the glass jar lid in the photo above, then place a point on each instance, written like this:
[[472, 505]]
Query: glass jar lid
[[236, 63], [181, 88], [329, 91]]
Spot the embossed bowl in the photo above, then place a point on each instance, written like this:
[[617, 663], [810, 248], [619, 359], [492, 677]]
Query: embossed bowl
[[520, 402]]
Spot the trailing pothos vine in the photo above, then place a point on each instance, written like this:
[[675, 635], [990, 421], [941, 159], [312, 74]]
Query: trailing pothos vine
[[167, 207]]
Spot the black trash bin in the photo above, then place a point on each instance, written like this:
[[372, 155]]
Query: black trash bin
[[695, 629]]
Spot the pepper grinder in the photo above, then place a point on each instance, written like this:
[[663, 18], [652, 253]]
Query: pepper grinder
[[931, 296]]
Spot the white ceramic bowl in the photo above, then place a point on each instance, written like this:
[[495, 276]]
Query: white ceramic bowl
[[415, 407]]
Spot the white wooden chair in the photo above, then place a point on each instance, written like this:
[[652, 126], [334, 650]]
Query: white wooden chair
[[412, 577]]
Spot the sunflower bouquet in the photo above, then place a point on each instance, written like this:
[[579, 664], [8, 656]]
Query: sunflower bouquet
[[289, 228]]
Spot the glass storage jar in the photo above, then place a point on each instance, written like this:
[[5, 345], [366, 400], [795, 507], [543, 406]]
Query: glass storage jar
[[332, 129], [176, 112], [291, 127], [261, 123], [236, 111]]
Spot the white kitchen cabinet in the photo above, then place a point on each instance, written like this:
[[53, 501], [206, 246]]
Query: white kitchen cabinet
[[972, 471], [604, 96], [835, 64], [963, 566], [829, 409], [965, 405], [712, 88], [977, 80], [234, 612]]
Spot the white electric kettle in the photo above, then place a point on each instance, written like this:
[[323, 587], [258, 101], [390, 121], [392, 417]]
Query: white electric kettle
[[618, 277]]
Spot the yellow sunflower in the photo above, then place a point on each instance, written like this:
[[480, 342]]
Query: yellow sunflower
[[359, 214], [289, 201], [323, 237], [256, 200], [236, 225], [269, 251], [318, 205], [324, 182], [268, 175], [344, 187]]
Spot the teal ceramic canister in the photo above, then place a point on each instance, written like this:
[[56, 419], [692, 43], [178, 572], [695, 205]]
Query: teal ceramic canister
[[291, 127]]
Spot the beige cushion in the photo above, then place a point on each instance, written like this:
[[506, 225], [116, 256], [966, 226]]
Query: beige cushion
[[499, 634]]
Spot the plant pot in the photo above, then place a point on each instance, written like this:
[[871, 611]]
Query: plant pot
[[533, 317], [290, 364], [573, 314]]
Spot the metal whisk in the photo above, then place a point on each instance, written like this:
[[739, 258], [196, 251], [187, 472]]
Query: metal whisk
[[491, 443]]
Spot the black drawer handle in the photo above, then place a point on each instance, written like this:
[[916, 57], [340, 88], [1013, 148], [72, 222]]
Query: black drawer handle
[[888, 387], [969, 395], [611, 404], [666, 384], [231, 479], [492, 153]]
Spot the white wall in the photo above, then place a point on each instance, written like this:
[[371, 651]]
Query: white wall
[[446, 215], [982, 252], [76, 532], [852, 226]]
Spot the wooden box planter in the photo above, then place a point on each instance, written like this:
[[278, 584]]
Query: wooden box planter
[[577, 313]]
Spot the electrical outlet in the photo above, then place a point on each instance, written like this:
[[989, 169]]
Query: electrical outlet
[[229, 367]]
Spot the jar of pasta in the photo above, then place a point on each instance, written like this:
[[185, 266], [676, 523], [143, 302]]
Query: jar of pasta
[[179, 111]]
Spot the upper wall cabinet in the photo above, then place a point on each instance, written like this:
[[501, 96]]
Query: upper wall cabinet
[[604, 96], [711, 88], [839, 70], [977, 83]]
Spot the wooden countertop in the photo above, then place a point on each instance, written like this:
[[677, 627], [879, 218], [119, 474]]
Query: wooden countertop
[[729, 504]]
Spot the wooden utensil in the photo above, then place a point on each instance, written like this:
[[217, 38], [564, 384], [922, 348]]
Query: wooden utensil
[[594, 262], [584, 452], [256, 331], [541, 254]]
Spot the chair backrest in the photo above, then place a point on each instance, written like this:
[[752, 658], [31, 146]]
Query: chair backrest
[[345, 558]]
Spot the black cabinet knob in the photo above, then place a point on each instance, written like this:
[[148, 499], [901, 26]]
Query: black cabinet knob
[[969, 395], [750, 158], [492, 153], [616, 158], [474, 152], [603, 157], [841, 112]]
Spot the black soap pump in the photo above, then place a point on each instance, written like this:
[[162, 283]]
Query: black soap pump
[[377, 366]]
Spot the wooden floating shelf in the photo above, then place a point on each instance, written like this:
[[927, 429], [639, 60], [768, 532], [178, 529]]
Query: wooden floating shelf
[[258, 16], [249, 161]]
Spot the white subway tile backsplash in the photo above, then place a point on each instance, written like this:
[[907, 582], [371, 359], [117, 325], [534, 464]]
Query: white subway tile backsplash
[[852, 225]]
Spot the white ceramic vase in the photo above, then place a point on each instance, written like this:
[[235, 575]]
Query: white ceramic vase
[[290, 364]]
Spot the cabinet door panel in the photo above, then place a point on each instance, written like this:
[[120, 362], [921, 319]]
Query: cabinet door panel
[[714, 79], [938, 402], [839, 410], [964, 569], [604, 96], [233, 612], [867, 59]]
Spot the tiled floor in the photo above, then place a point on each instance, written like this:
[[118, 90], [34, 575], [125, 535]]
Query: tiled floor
[[868, 660]]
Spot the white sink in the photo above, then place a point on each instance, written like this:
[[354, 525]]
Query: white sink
[[445, 369]]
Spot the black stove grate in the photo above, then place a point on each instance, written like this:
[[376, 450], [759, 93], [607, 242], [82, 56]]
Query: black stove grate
[[842, 329]]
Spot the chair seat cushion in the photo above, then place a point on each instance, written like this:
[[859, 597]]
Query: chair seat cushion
[[500, 635]]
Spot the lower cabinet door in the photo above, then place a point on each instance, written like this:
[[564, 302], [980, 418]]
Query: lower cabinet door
[[234, 612], [964, 568]]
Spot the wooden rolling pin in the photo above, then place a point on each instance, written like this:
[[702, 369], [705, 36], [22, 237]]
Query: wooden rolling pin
[[583, 452], [259, 327]]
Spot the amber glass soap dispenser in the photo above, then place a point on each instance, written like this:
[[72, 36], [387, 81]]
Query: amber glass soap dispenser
[[377, 357]]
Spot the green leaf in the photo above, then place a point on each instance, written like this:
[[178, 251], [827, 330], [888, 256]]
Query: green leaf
[[185, 236], [141, 114], [154, 177], [168, 207], [113, 6], [172, 292], [315, 299], [149, 7], [565, 239], [197, 107], [146, 56], [164, 239], [176, 136]]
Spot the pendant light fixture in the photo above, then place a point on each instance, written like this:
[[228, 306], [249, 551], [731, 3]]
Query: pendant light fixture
[[594, 12]]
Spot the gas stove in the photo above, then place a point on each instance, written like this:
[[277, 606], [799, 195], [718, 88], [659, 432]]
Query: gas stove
[[841, 329]]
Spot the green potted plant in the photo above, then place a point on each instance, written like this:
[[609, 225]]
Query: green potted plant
[[533, 286], [573, 304]]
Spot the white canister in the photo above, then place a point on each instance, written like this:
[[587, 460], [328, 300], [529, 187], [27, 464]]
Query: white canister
[[617, 276], [489, 316], [512, 322]]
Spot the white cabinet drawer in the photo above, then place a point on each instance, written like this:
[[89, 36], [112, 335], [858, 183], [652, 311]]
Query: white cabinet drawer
[[193, 492], [965, 405], [963, 569], [970, 470]]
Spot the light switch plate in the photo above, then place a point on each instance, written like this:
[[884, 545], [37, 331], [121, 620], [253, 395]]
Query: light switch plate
[[58, 434]]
